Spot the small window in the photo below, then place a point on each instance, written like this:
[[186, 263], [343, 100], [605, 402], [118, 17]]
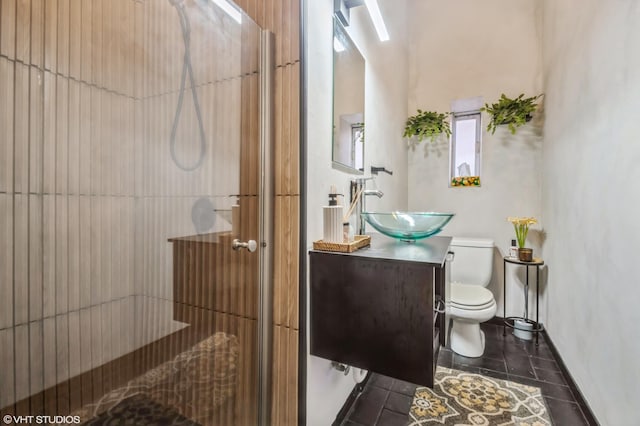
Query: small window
[[465, 149]]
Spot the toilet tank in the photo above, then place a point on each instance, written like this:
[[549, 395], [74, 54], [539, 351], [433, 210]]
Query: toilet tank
[[473, 260]]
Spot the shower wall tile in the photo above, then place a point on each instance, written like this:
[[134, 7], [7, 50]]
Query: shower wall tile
[[75, 40], [50, 34], [139, 144], [63, 37], [23, 30], [127, 335], [62, 134], [37, 32], [73, 255], [104, 241], [125, 47], [73, 146], [49, 134], [110, 11], [8, 28], [21, 259], [106, 330], [86, 41], [127, 257], [128, 165], [7, 372], [36, 118], [97, 354], [96, 251], [6, 261], [138, 49], [36, 374], [35, 257], [6, 123], [85, 142], [97, 37], [22, 361], [74, 344], [62, 347], [96, 140], [61, 254], [49, 352], [21, 129], [85, 340], [86, 247], [106, 141], [48, 255], [115, 327]]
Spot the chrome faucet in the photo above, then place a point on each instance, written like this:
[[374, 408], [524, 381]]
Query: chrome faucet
[[355, 187]]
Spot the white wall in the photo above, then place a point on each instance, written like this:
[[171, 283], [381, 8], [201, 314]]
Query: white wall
[[591, 199], [464, 49], [385, 112]]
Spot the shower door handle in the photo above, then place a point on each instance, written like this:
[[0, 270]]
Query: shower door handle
[[250, 245]]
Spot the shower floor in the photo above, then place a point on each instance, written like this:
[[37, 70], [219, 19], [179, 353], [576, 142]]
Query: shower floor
[[190, 389]]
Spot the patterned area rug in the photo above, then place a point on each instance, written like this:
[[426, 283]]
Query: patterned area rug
[[460, 398]]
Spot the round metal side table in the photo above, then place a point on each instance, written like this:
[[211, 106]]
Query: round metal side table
[[510, 321]]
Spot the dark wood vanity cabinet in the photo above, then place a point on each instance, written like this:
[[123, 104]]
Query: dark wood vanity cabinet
[[377, 308]]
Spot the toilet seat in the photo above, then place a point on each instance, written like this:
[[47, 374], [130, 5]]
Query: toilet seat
[[472, 308], [470, 297]]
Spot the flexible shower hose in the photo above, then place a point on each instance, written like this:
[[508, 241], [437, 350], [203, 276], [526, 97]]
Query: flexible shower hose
[[186, 69]]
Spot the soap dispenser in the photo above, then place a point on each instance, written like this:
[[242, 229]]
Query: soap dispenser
[[332, 218]]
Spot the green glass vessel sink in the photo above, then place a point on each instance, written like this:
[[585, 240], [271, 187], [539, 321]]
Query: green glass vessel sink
[[408, 226]]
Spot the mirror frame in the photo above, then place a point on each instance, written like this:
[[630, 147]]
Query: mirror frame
[[341, 33]]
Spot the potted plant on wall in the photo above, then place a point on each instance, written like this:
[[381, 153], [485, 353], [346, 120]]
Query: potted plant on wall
[[427, 124], [512, 112]]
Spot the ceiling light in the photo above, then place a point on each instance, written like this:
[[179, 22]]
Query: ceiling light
[[376, 17], [229, 9]]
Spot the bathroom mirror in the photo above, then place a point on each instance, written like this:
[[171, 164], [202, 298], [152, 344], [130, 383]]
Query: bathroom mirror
[[348, 102]]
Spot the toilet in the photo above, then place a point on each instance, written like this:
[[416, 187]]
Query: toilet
[[469, 301]]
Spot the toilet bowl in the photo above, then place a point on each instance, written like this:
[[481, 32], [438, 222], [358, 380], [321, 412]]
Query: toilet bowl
[[469, 303]]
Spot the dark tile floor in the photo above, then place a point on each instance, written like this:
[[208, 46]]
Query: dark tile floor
[[386, 401]]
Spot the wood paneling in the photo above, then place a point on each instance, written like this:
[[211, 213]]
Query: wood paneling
[[284, 387], [283, 19], [287, 158], [286, 268]]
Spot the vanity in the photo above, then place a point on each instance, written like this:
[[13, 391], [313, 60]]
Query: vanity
[[381, 308]]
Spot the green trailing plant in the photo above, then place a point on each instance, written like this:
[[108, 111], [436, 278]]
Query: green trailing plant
[[427, 124], [512, 112]]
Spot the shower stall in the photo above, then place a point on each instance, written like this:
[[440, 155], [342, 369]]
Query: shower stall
[[135, 212]]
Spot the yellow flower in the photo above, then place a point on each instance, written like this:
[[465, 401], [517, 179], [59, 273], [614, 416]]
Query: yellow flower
[[521, 226]]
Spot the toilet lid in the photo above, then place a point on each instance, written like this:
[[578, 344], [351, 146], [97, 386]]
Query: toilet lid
[[470, 295]]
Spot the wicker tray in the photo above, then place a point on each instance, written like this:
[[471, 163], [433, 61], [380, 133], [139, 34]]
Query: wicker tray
[[359, 242]]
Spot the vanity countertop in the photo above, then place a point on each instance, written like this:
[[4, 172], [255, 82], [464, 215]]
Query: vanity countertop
[[431, 250]]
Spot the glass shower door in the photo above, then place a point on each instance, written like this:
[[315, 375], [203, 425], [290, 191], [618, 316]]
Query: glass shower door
[[130, 161]]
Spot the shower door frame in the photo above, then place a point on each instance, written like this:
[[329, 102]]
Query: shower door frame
[[266, 225]]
